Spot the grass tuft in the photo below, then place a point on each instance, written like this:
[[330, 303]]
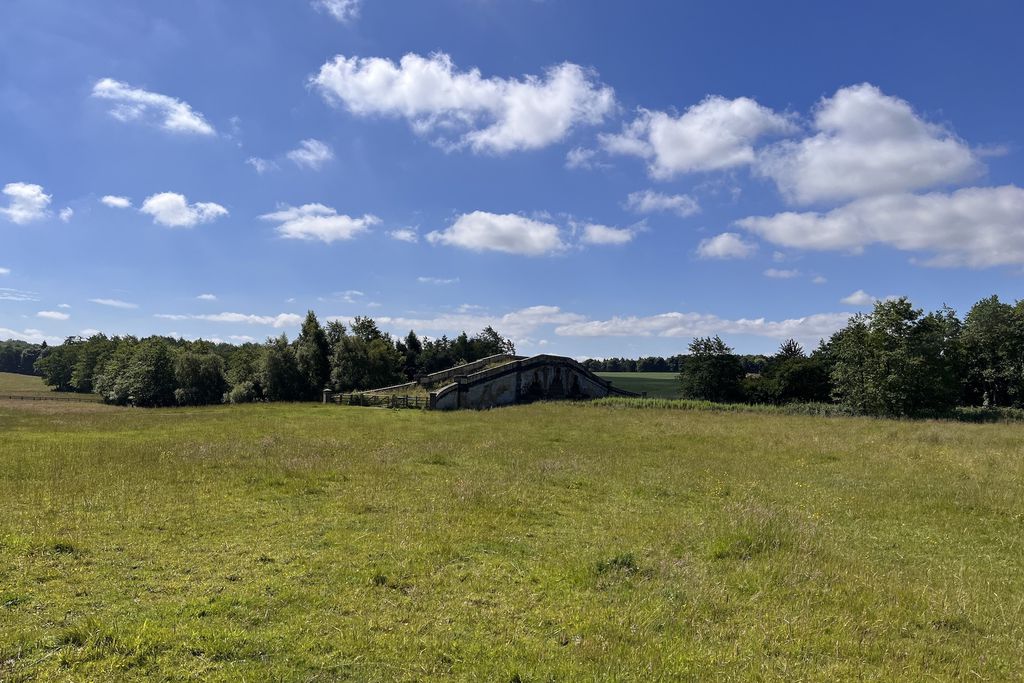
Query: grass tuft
[[624, 563]]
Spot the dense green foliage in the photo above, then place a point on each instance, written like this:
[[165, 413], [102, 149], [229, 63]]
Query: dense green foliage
[[752, 363], [300, 542], [162, 371], [896, 361], [19, 357], [712, 372]]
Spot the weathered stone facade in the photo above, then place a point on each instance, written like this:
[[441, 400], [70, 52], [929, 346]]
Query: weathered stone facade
[[523, 381]]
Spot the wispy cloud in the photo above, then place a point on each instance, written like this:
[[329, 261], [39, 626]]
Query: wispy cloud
[[318, 222], [136, 104], [52, 315], [277, 321], [342, 10], [8, 294], [114, 303], [404, 235], [312, 154], [781, 274], [648, 201]]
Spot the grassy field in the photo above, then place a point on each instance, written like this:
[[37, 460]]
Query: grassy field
[[30, 386], [544, 542], [656, 384]]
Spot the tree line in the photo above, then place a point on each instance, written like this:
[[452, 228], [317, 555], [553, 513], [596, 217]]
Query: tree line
[[20, 357], [164, 371], [753, 363], [896, 361]]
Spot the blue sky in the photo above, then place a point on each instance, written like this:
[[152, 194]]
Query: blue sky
[[591, 178]]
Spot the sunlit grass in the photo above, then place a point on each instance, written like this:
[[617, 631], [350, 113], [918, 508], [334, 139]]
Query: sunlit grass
[[31, 386], [654, 384], [550, 542]]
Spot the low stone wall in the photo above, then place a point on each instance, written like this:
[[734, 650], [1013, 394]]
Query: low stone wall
[[450, 374], [522, 381]]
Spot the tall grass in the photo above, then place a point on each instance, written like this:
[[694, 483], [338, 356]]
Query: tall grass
[[544, 542], [961, 414]]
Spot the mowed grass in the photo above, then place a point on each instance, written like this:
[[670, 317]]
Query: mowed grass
[[544, 542], [30, 386], [655, 384]]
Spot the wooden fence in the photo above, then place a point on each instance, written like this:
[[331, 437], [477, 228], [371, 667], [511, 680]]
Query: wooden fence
[[376, 400], [65, 399]]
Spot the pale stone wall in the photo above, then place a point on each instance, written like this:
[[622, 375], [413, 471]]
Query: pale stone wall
[[467, 369]]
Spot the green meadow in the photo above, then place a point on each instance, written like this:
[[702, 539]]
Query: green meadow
[[549, 542], [654, 384], [31, 387]]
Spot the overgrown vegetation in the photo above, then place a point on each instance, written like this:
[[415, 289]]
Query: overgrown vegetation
[[548, 542], [19, 357], [161, 371], [897, 361]]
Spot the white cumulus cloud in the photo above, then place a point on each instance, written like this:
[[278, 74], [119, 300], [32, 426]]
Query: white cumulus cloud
[[465, 109], [312, 154], [318, 222], [26, 202], [136, 104], [602, 234], [858, 298], [32, 336], [5, 271], [404, 235], [715, 134], [507, 233], [66, 214], [174, 211], [207, 297], [868, 143], [116, 202], [728, 245], [976, 227], [649, 201]]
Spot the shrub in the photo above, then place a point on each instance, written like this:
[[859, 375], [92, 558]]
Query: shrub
[[244, 392]]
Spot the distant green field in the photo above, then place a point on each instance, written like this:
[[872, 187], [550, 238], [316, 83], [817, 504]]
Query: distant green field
[[656, 384], [30, 386], [549, 542]]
